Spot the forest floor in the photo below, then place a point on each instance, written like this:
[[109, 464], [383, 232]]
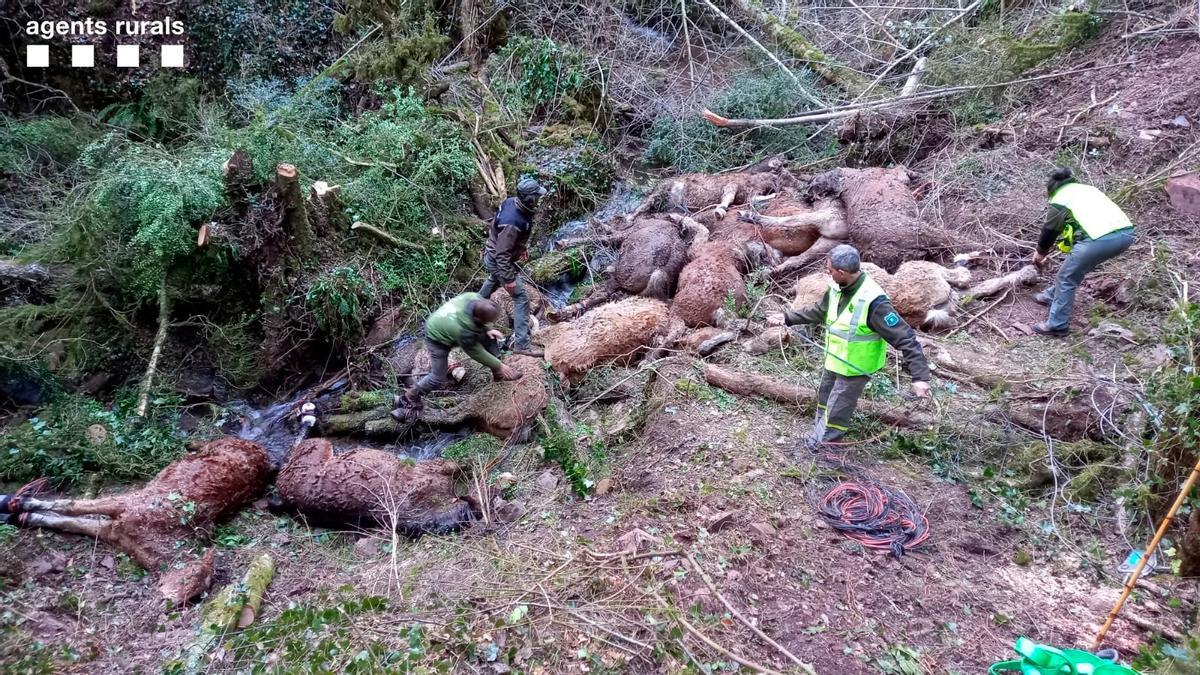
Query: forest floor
[[720, 486]]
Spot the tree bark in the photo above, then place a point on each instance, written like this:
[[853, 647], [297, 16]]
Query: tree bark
[[746, 384], [324, 208], [164, 323], [295, 215], [848, 80]]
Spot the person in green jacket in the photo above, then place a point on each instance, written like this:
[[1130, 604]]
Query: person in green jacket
[[1090, 228], [860, 322], [461, 322]]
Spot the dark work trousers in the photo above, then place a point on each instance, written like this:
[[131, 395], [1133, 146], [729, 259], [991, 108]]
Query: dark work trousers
[[520, 308], [439, 363], [836, 399], [1085, 256]]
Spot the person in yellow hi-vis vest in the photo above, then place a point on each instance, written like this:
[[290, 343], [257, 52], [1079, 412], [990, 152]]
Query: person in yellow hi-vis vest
[[1090, 228], [860, 323]]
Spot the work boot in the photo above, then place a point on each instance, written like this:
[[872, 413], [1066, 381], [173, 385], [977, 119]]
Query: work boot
[[1044, 328], [1043, 298], [408, 406], [529, 350]]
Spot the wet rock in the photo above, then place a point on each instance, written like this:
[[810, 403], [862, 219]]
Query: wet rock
[[1184, 193], [366, 547], [547, 481], [505, 480]]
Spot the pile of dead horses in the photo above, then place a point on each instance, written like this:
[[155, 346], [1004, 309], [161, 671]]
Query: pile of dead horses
[[683, 258]]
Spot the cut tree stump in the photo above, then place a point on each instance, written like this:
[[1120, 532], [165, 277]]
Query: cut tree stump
[[324, 208], [295, 215]]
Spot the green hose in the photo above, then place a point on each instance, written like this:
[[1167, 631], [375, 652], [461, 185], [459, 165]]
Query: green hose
[[1043, 660]]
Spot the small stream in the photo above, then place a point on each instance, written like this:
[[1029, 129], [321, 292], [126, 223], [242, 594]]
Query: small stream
[[622, 200], [278, 427]]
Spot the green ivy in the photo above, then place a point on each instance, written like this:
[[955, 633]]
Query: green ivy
[[56, 443], [340, 300]]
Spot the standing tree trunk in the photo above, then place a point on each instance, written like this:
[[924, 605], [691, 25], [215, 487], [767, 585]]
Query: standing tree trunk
[[164, 323]]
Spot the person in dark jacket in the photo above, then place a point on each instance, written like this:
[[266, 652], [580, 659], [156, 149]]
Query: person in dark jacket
[[461, 322], [507, 245], [1090, 228], [860, 322]]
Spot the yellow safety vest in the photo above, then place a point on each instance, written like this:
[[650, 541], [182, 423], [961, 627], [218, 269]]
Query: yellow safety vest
[[1091, 210], [851, 347]]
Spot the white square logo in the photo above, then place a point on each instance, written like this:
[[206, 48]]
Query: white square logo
[[127, 56], [83, 56], [172, 56], [37, 56]]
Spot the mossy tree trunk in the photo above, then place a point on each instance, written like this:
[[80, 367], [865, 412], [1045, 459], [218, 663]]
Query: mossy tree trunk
[[795, 43]]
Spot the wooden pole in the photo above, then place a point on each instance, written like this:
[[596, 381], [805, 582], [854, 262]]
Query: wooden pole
[[1137, 571]]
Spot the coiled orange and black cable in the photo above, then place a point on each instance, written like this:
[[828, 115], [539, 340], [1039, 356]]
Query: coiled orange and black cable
[[875, 515]]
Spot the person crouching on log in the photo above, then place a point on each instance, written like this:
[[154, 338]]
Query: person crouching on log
[[859, 324], [507, 244], [461, 322], [1090, 228]]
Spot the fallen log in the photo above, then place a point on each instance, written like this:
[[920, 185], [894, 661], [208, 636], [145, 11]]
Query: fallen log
[[499, 408], [1022, 277], [235, 606], [747, 384], [385, 237]]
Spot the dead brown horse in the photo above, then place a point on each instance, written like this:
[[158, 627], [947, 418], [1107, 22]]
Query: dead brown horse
[[365, 486], [180, 504]]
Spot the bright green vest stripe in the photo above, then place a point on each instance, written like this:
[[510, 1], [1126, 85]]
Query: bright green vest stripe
[[851, 347], [1096, 214]]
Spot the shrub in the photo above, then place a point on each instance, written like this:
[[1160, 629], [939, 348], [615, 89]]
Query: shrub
[[340, 299], [55, 443], [539, 77], [260, 38], [578, 164], [476, 447], [420, 161], [692, 144], [139, 212], [26, 146]]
